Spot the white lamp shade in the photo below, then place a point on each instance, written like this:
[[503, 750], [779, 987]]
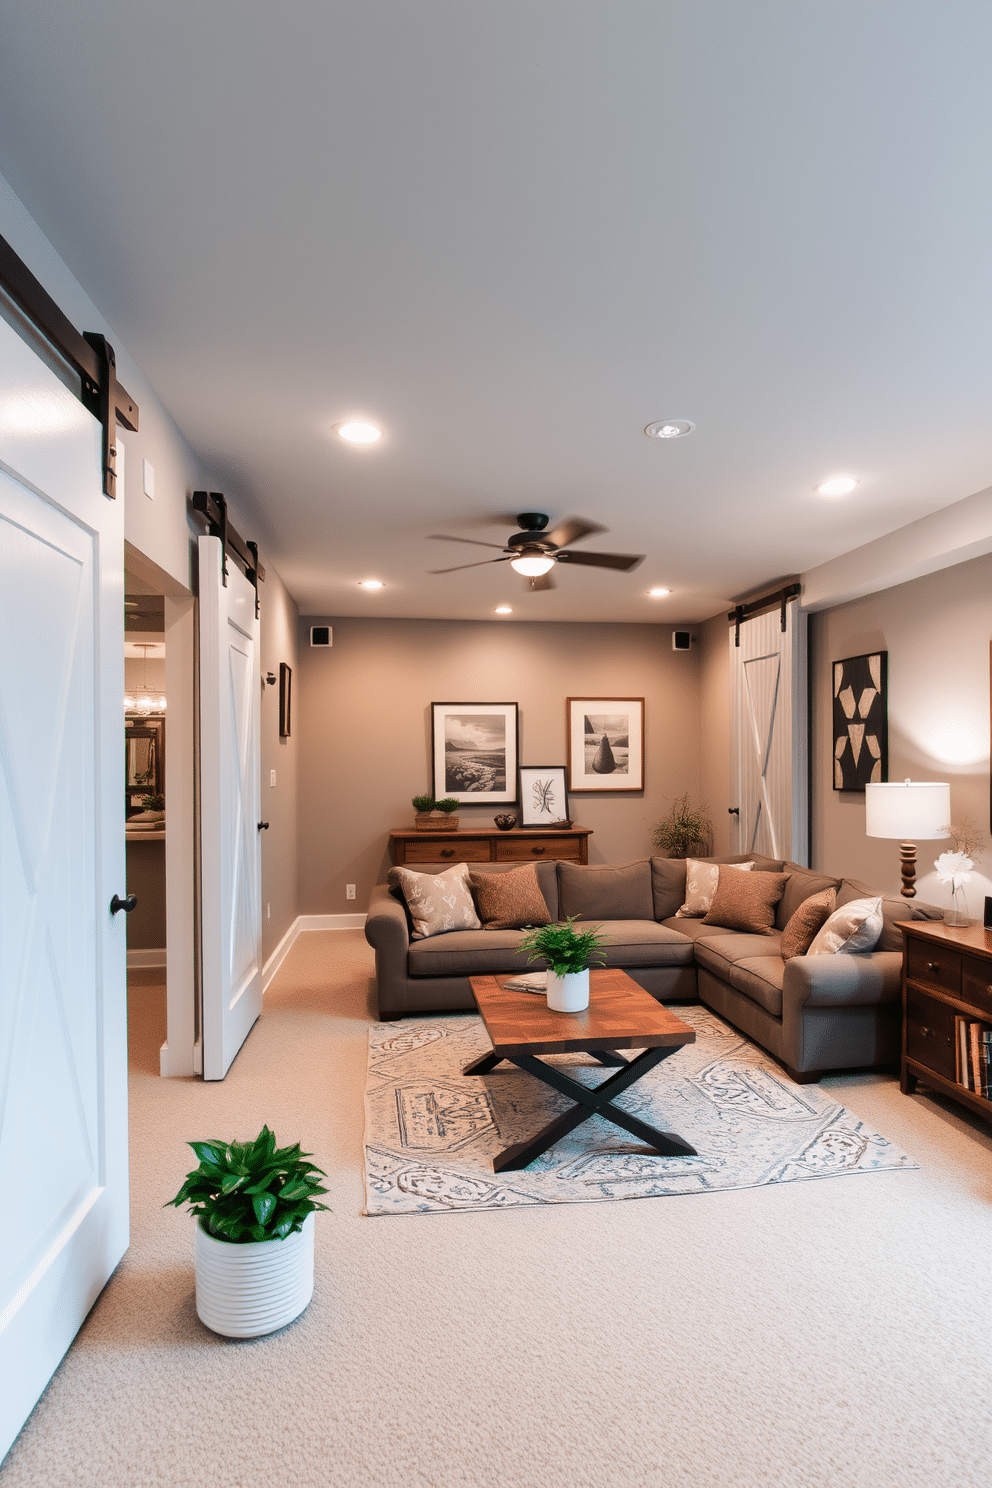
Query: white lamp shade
[[908, 810]]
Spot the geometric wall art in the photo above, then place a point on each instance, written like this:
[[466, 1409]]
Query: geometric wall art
[[861, 724]]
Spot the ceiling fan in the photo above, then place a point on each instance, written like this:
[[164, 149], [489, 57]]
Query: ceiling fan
[[534, 552]]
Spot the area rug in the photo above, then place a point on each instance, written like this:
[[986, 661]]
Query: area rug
[[431, 1133]]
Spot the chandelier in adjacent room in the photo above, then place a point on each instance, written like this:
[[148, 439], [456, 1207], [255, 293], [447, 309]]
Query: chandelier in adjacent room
[[143, 701]]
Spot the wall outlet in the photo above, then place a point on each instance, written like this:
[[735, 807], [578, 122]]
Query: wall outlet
[[272, 777], [349, 891], [268, 911]]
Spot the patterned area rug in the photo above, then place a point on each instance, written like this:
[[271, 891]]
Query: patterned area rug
[[431, 1133]]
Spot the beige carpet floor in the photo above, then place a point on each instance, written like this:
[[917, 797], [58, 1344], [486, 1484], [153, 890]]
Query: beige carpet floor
[[818, 1335]]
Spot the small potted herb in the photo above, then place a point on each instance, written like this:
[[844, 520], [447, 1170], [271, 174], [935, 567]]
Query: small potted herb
[[435, 816], [569, 954], [253, 1250]]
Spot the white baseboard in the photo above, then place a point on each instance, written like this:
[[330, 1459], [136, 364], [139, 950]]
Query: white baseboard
[[154, 957], [307, 922]]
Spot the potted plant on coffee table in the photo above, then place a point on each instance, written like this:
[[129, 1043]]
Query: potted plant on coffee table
[[253, 1251], [569, 954]]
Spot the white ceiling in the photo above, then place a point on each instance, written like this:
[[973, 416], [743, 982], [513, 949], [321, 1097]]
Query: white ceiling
[[514, 234]]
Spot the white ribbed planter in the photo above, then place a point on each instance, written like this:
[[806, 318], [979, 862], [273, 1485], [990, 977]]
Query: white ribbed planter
[[243, 1291], [568, 993]]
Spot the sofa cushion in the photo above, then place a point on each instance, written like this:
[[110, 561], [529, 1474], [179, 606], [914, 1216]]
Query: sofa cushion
[[850, 930], [722, 952], [693, 929], [509, 901], [667, 885], [800, 932], [803, 884], [894, 909], [760, 979], [644, 943], [702, 876], [438, 902], [746, 901], [604, 891], [468, 953]]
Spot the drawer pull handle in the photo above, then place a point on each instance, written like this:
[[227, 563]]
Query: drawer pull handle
[[447, 852], [925, 1032], [933, 966], [538, 849]]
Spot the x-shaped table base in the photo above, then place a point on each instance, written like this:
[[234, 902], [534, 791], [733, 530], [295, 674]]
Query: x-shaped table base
[[595, 1102]]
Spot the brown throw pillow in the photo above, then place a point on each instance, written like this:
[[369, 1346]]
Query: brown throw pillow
[[746, 901], [509, 901], [797, 937]]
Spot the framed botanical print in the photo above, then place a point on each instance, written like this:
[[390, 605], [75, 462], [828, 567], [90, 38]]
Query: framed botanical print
[[474, 751], [605, 744], [542, 795], [860, 721]]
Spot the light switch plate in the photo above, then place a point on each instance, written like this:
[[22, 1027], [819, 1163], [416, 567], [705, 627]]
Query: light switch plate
[[148, 479], [272, 777]]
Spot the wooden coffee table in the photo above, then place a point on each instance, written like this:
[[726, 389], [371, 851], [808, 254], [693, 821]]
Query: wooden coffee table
[[620, 1015]]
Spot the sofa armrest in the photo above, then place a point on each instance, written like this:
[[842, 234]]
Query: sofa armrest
[[841, 981], [386, 926]]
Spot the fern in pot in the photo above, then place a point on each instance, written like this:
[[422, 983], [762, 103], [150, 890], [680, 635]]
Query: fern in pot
[[253, 1251], [569, 954]]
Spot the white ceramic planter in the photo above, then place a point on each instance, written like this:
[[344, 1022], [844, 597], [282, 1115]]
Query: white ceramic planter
[[568, 993], [243, 1291]]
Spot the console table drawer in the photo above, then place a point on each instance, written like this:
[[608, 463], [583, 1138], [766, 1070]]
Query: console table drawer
[[517, 849], [930, 1033], [938, 965], [976, 983], [448, 850]]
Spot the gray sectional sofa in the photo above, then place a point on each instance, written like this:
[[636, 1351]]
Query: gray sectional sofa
[[813, 1014]]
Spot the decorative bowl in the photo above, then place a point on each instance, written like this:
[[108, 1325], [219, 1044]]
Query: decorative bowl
[[505, 821]]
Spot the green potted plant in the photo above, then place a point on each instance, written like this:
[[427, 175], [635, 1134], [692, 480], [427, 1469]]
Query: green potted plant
[[253, 1250], [569, 954], [435, 816], [685, 832], [155, 803]]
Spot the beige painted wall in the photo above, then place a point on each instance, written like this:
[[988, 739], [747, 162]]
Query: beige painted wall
[[364, 715], [279, 624], [714, 711], [936, 630]]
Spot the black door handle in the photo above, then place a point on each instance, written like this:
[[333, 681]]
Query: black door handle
[[263, 826], [733, 811], [117, 904]]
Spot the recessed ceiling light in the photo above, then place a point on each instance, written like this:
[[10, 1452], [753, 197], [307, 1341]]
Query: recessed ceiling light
[[503, 610], [669, 428], [370, 584], [532, 565], [658, 593], [840, 485], [358, 431]]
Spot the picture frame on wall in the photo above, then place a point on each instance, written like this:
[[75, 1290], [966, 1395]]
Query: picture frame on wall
[[475, 752], [605, 744], [285, 700], [860, 720], [541, 795]]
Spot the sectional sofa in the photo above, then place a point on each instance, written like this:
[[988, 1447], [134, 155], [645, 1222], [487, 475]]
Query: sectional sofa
[[812, 1013]]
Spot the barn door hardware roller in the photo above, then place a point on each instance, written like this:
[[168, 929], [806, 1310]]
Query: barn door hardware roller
[[778, 598], [212, 506]]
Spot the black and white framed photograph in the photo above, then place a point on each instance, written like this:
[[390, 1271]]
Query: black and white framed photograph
[[861, 721], [474, 752], [605, 744], [285, 700], [542, 795]]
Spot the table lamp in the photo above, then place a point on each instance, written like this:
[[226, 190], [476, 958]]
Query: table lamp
[[909, 811]]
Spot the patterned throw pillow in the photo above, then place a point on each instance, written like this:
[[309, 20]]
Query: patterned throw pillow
[[746, 901], [798, 935], [509, 901], [701, 878], [854, 927], [438, 901]]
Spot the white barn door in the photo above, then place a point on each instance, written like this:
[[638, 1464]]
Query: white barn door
[[63, 992], [230, 801], [768, 761]]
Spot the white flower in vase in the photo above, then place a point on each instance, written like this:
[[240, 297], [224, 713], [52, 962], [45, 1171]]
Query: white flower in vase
[[953, 868]]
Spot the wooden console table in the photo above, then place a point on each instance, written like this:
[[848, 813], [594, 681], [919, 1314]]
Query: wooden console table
[[489, 845], [946, 976]]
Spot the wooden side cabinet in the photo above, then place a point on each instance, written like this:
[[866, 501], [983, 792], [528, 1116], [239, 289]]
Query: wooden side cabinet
[[489, 845], [946, 1010]]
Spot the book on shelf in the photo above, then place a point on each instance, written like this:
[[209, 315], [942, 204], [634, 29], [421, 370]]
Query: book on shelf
[[973, 1044]]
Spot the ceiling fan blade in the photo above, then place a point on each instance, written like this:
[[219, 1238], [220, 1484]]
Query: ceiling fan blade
[[625, 561], [569, 531], [543, 581], [445, 537], [482, 563]]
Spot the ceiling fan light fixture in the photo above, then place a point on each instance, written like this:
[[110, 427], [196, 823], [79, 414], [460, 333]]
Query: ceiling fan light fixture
[[532, 565], [671, 428], [358, 431]]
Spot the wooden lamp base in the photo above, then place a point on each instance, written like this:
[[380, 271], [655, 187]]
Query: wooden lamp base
[[907, 866]]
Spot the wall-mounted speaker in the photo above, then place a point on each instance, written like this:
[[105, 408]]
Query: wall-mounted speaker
[[321, 635], [681, 640]]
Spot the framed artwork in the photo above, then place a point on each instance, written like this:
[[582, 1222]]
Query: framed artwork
[[605, 744], [860, 721], [542, 795], [474, 752], [285, 699]]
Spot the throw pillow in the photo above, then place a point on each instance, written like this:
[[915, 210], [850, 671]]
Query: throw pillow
[[438, 901], [799, 933], [605, 891], [701, 878], [509, 901], [746, 901], [854, 927]]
